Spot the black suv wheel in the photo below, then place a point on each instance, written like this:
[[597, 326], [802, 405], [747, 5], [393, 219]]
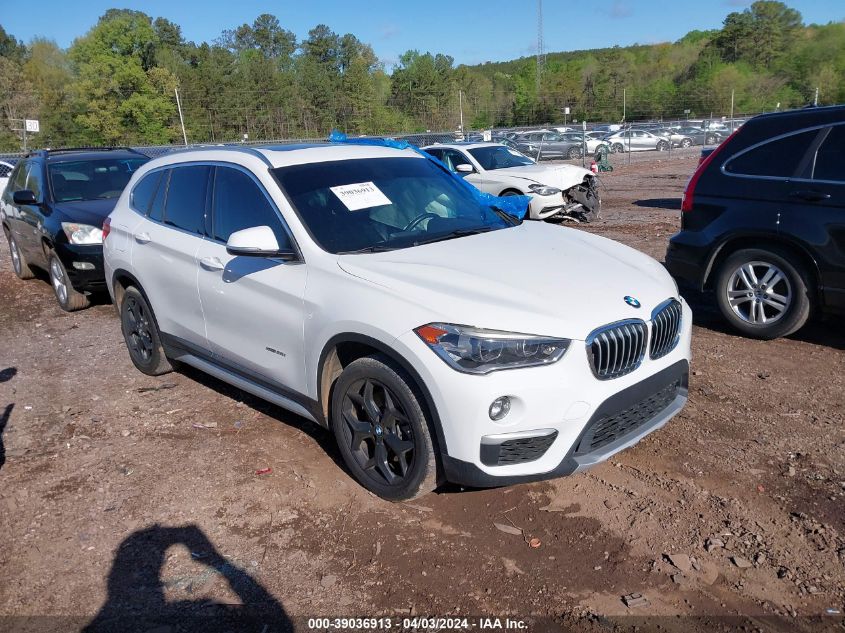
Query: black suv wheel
[[381, 429], [140, 332], [70, 300], [19, 263], [762, 293]]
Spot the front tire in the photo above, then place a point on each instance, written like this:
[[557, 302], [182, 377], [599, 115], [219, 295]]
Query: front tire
[[574, 152], [141, 335], [617, 148], [686, 143], [382, 431], [764, 293], [19, 263], [662, 146], [70, 299]]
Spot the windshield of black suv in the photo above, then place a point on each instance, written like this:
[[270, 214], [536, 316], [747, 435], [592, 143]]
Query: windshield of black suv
[[376, 204], [91, 179], [492, 157]]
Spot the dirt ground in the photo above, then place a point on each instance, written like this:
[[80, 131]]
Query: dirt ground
[[122, 494]]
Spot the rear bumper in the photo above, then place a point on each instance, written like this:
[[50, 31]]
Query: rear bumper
[[84, 266], [580, 457], [687, 261]]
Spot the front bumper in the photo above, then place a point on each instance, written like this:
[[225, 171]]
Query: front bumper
[[552, 407], [84, 265], [579, 457]]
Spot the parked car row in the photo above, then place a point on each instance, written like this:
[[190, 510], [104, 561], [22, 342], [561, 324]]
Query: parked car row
[[371, 289]]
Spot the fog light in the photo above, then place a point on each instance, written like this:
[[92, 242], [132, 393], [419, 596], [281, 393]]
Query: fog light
[[83, 265], [500, 407]]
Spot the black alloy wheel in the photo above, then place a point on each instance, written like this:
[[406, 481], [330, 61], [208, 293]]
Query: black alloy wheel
[[381, 429]]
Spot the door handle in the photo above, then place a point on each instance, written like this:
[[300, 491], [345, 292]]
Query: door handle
[[810, 195], [143, 238], [211, 263]]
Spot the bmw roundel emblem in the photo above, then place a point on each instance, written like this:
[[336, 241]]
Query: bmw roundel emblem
[[633, 302]]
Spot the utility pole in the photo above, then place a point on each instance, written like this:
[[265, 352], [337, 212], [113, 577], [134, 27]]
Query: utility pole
[[541, 49], [732, 111], [461, 107], [624, 103], [181, 120]]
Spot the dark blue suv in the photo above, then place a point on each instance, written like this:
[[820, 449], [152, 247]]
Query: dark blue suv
[[52, 212]]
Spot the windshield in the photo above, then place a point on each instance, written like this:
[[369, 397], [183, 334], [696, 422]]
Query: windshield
[[97, 179], [491, 157], [376, 204]]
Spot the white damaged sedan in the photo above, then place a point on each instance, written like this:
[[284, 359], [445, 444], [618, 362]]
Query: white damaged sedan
[[557, 191]]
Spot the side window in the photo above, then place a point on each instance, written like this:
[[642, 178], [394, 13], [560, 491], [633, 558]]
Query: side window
[[830, 159], [156, 211], [778, 158], [185, 205], [437, 153], [239, 203], [142, 194], [34, 181], [18, 178], [457, 158]]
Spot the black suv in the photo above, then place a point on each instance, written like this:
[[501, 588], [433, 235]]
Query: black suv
[[763, 222], [53, 210]]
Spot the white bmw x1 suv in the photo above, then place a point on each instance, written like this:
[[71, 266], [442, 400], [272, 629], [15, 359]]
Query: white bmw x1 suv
[[368, 289]]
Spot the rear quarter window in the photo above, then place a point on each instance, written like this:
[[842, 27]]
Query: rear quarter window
[[829, 161], [778, 158], [142, 195]]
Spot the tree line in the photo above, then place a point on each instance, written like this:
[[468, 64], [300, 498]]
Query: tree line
[[116, 84]]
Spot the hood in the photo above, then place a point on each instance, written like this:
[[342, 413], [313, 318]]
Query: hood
[[534, 278], [91, 212], [562, 176]]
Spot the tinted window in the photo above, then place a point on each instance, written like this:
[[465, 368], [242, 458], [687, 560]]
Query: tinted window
[[779, 158], [98, 179], [157, 207], [185, 206], [18, 182], [437, 153], [34, 181], [142, 194], [830, 159], [384, 203], [240, 204]]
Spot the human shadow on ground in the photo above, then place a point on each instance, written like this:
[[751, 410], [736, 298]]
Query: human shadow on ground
[[136, 600]]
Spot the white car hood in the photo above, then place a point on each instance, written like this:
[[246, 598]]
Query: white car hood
[[561, 176], [534, 278]]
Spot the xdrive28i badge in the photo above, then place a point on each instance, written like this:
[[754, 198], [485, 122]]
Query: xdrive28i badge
[[633, 302]]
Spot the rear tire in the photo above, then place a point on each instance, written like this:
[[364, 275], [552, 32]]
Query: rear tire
[[70, 299], [141, 335], [764, 294], [19, 263], [686, 143], [574, 152], [382, 430]]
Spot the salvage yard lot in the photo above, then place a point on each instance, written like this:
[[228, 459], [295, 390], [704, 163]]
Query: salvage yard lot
[[117, 488]]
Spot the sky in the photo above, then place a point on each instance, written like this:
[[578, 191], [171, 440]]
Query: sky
[[471, 31]]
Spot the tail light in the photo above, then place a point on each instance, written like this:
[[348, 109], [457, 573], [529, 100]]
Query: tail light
[[106, 228], [689, 190]]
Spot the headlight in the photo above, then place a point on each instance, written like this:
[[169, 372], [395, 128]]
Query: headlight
[[477, 351], [82, 233], [543, 190]]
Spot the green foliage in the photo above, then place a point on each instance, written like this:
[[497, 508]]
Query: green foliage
[[116, 84]]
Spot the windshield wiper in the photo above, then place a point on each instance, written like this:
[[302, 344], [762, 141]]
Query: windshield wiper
[[453, 234], [507, 217], [378, 248]]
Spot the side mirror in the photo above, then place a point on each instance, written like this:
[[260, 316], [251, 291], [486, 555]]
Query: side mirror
[[258, 241], [24, 196], [464, 168]]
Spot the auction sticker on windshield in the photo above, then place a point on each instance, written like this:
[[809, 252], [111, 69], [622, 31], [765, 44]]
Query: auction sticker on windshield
[[362, 195]]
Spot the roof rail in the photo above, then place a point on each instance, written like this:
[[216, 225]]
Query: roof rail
[[62, 150], [247, 149]]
